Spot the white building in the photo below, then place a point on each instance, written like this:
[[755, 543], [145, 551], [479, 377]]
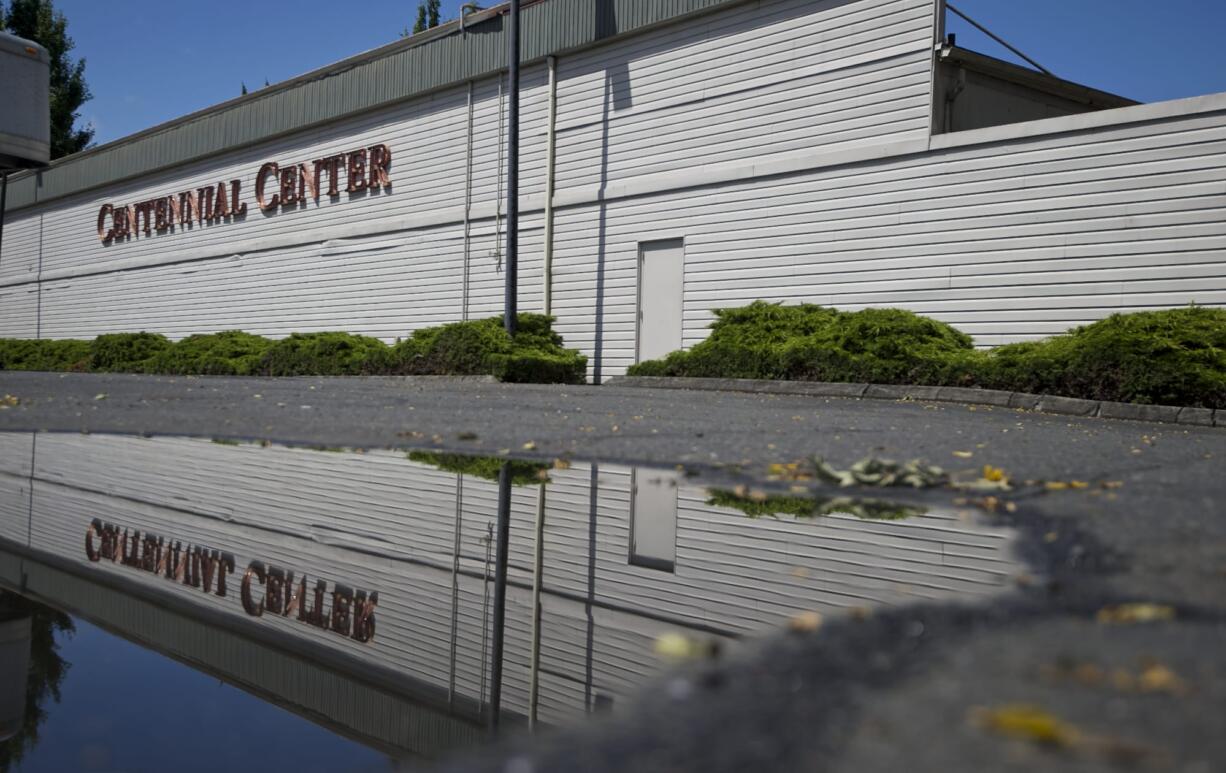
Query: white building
[[678, 156]]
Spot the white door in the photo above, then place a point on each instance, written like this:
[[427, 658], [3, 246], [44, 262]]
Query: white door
[[653, 518], [661, 282]]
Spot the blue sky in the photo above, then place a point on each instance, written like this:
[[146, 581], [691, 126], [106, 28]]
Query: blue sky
[[145, 68]]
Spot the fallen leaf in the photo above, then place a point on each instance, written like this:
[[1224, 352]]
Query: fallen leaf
[[1139, 612], [805, 621], [529, 446], [100, 396], [994, 474], [466, 436], [1156, 677], [561, 464], [1027, 723], [677, 646], [964, 454]]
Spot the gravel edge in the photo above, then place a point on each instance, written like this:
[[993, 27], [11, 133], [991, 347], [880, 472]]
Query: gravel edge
[[1064, 406]]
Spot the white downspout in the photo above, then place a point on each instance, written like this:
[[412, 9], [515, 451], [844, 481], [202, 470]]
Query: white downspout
[[468, 204], [550, 154], [538, 577]]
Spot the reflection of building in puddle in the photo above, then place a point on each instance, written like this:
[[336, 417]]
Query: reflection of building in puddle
[[627, 555]]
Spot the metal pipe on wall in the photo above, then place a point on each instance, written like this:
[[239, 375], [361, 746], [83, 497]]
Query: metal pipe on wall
[[511, 279], [538, 577], [4, 196], [455, 587], [468, 204], [500, 592], [550, 156]]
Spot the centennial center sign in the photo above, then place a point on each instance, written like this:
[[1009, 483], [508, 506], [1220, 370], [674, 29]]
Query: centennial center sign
[[294, 184]]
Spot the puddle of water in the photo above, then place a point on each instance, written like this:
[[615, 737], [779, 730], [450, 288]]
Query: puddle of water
[[305, 601]]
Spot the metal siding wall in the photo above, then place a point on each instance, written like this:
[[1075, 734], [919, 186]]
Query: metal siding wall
[[746, 83]]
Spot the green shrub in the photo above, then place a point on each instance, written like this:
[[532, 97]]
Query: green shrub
[[125, 352], [1170, 357], [484, 467], [325, 354], [815, 343], [228, 353], [43, 354], [482, 347], [1173, 357]]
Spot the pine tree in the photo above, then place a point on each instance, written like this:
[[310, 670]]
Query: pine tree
[[427, 15], [244, 88], [38, 20]]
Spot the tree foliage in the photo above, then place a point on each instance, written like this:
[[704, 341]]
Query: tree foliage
[[427, 15], [38, 20]]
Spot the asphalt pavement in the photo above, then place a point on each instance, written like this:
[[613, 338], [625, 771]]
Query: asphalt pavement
[[1114, 656]]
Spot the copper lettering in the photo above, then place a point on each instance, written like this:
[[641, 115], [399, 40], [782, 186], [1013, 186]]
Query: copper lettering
[[145, 208], [225, 565], [237, 209], [205, 197], [380, 159], [105, 236], [342, 600], [254, 570], [208, 568], [274, 591], [189, 208], [364, 616], [175, 217], [334, 174], [159, 216], [315, 614], [221, 208], [260, 180], [289, 186], [307, 184], [94, 531], [357, 171]]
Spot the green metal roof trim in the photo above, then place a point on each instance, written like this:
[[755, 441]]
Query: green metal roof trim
[[406, 68]]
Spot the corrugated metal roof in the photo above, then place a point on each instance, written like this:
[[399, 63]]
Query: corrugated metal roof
[[406, 68]]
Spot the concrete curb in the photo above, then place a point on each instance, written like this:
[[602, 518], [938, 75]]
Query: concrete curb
[[1055, 404]]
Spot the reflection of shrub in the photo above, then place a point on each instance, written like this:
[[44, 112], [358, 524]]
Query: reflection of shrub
[[1176, 356], [46, 673], [125, 352], [482, 347], [814, 507], [43, 354], [229, 353], [484, 467], [325, 354]]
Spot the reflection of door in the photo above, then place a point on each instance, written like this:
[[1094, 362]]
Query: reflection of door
[[661, 280], [653, 518]]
